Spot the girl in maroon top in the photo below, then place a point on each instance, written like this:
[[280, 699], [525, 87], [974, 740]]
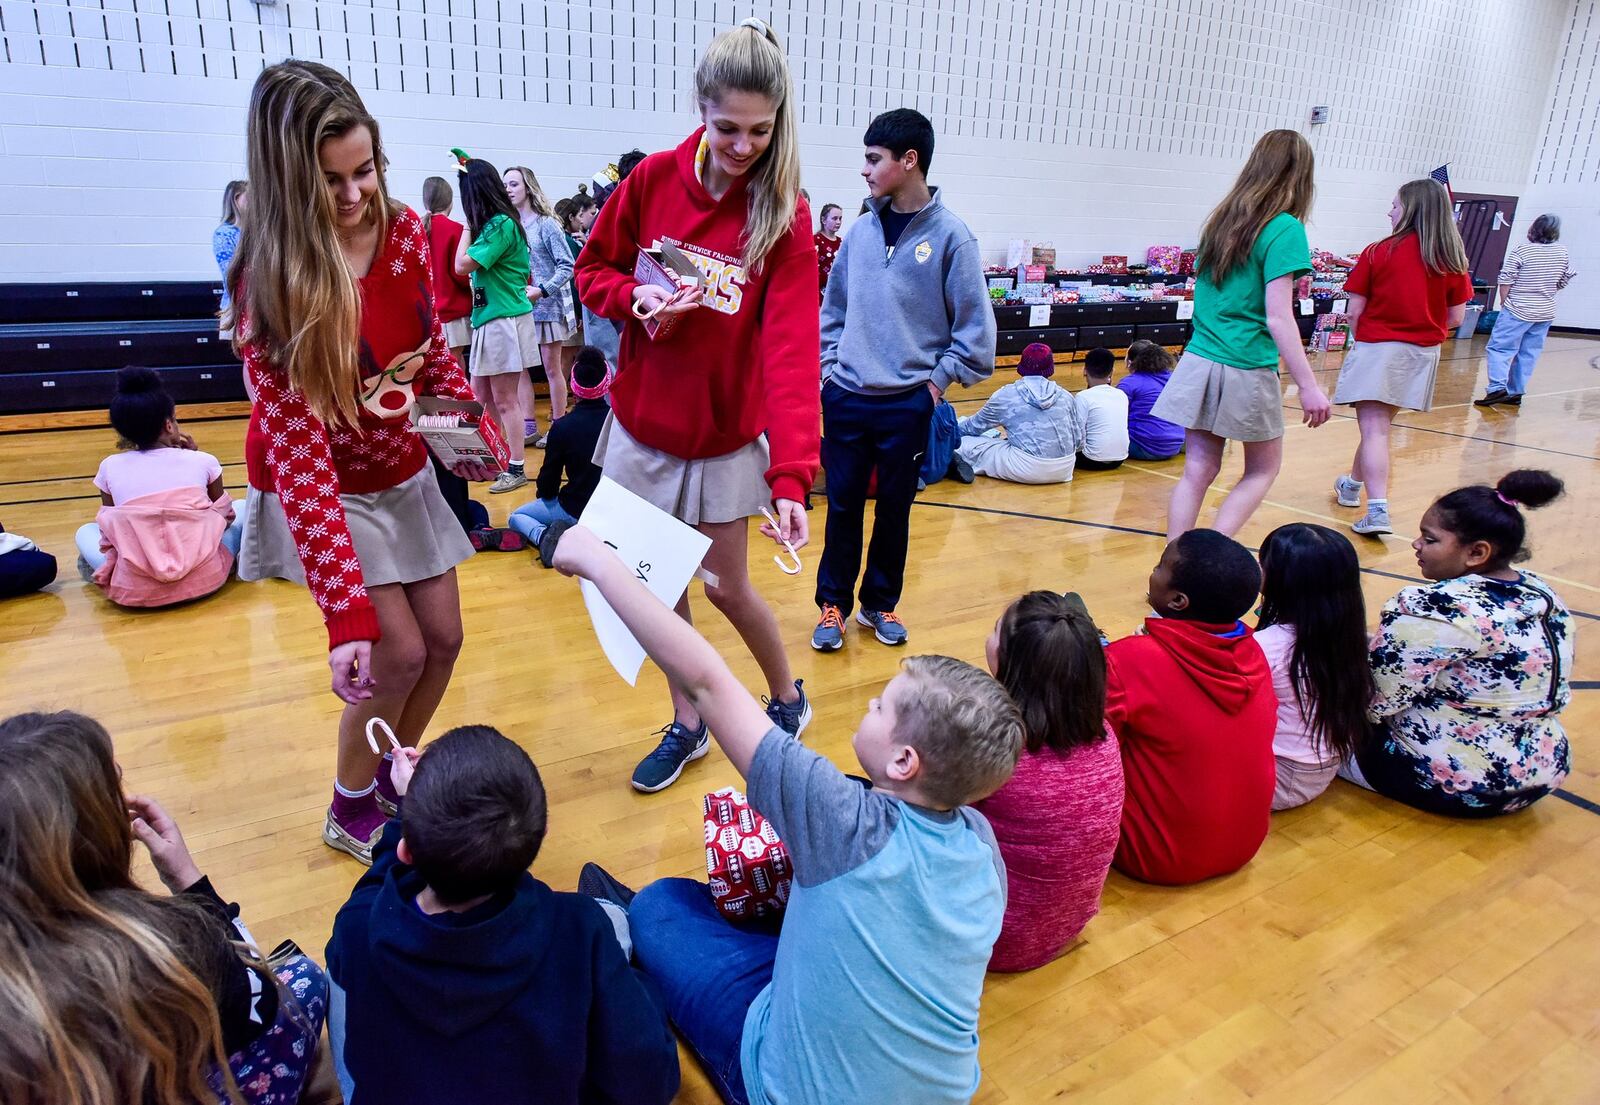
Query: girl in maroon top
[[1407, 293], [718, 417], [827, 241], [452, 293], [330, 256], [1058, 818]]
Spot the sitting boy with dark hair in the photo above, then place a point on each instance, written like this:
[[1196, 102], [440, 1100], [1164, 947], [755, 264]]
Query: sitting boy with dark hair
[[1191, 700], [1104, 414], [459, 977], [870, 991]]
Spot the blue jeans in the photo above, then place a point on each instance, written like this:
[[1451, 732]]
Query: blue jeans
[[530, 519], [708, 970], [860, 434], [1139, 452], [1514, 346]]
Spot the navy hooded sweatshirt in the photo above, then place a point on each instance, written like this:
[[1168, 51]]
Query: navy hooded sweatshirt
[[525, 998]]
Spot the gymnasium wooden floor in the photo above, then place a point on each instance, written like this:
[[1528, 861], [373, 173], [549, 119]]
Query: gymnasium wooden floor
[[1368, 954]]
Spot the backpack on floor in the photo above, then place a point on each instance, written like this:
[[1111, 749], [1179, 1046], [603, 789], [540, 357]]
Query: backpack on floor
[[943, 437]]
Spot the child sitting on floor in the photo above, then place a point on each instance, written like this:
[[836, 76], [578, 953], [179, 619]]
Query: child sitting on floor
[[570, 448], [1057, 820], [1104, 411], [1040, 420], [460, 977], [1473, 669], [1149, 370], [1191, 701], [163, 533], [870, 991], [1313, 632]]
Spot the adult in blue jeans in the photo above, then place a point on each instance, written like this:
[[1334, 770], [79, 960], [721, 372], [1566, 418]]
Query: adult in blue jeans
[[905, 315], [1529, 280]]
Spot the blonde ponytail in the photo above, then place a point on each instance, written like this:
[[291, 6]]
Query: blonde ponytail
[[750, 59]]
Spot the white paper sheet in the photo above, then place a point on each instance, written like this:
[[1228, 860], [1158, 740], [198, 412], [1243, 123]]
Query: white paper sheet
[[1185, 309], [662, 552], [1039, 315]]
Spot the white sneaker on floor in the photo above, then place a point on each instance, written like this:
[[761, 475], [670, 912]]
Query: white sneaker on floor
[[508, 481], [1347, 491], [1373, 523]]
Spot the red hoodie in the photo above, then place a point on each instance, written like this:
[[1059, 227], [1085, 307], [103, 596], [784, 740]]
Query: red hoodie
[[452, 294], [745, 362], [1194, 709]]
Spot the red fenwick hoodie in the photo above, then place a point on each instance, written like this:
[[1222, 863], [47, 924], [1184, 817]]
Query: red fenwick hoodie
[[1193, 707], [747, 360]]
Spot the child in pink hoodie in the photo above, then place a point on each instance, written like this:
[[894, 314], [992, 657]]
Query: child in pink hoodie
[[163, 533]]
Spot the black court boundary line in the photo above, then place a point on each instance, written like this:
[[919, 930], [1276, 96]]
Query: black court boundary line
[[1576, 800]]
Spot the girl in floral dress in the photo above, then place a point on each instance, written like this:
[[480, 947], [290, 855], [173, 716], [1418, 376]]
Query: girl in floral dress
[[1472, 669]]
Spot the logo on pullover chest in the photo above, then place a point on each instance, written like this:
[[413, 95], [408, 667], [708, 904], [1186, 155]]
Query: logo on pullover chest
[[725, 276]]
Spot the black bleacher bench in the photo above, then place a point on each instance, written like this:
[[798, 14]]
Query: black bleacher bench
[[109, 302], [83, 346], [33, 392]]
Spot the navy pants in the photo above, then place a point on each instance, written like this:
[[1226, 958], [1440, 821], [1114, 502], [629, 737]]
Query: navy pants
[[862, 434], [25, 571]]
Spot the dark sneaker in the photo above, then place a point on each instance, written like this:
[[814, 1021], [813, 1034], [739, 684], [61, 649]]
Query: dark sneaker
[[595, 881], [829, 634], [1347, 491], [548, 541], [885, 625], [678, 747], [1493, 398], [1511, 401], [791, 717], [961, 469]]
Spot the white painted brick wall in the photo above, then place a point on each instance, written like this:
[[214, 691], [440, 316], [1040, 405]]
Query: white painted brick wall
[[1102, 126], [1566, 173]]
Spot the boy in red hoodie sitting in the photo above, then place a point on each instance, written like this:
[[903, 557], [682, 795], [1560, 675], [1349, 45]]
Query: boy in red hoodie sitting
[[1192, 704]]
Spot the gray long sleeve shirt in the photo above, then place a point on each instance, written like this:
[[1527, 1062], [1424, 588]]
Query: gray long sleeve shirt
[[892, 320]]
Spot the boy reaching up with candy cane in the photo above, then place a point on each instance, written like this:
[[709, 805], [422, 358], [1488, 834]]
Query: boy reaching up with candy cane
[[870, 992]]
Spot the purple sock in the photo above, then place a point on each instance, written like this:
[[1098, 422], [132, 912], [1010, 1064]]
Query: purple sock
[[384, 781], [360, 817]]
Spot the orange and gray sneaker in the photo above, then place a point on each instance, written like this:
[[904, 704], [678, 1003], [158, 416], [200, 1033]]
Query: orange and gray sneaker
[[829, 634], [885, 625]]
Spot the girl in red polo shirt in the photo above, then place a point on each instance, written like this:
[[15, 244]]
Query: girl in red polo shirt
[[331, 258], [1407, 293], [720, 415]]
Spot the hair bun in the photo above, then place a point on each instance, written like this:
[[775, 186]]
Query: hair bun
[[137, 380], [1530, 488]]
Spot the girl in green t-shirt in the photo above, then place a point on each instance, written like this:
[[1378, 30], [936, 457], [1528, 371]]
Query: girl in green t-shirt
[[1252, 249], [505, 342]]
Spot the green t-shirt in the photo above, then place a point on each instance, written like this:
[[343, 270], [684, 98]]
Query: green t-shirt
[[1230, 322], [500, 286]]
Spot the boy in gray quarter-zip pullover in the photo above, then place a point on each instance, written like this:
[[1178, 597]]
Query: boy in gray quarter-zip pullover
[[906, 314]]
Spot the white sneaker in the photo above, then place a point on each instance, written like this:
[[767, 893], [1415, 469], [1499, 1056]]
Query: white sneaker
[[1347, 491], [1373, 523]]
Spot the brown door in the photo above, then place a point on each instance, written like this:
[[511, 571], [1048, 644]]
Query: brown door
[[1485, 223]]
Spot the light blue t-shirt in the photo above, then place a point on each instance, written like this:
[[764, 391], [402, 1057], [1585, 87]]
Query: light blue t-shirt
[[892, 916]]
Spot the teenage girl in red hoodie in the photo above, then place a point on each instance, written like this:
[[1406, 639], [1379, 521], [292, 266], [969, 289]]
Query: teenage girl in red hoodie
[[339, 472], [720, 416]]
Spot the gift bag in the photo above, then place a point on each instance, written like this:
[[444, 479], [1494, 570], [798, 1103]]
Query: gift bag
[[748, 866], [1044, 255], [1018, 252], [1186, 261], [1164, 259]]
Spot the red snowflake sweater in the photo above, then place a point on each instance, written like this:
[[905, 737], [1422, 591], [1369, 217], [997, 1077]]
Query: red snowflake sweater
[[309, 465]]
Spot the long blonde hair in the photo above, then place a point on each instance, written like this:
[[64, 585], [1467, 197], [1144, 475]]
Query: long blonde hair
[[103, 990], [536, 197], [290, 283], [1425, 211], [750, 59], [1276, 178]]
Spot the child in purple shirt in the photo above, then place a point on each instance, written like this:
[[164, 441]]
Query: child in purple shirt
[[1149, 369]]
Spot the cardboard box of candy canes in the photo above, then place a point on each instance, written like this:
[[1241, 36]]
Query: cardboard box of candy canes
[[450, 428]]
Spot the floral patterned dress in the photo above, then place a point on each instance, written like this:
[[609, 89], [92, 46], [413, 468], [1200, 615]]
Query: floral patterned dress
[[1472, 673]]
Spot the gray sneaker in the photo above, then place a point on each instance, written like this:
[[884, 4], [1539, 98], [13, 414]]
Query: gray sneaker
[[1348, 491], [885, 625], [508, 481], [1373, 523], [791, 717], [829, 634], [661, 768]]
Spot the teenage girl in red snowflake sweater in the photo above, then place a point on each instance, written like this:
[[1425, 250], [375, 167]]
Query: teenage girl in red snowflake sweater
[[721, 415], [339, 336]]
